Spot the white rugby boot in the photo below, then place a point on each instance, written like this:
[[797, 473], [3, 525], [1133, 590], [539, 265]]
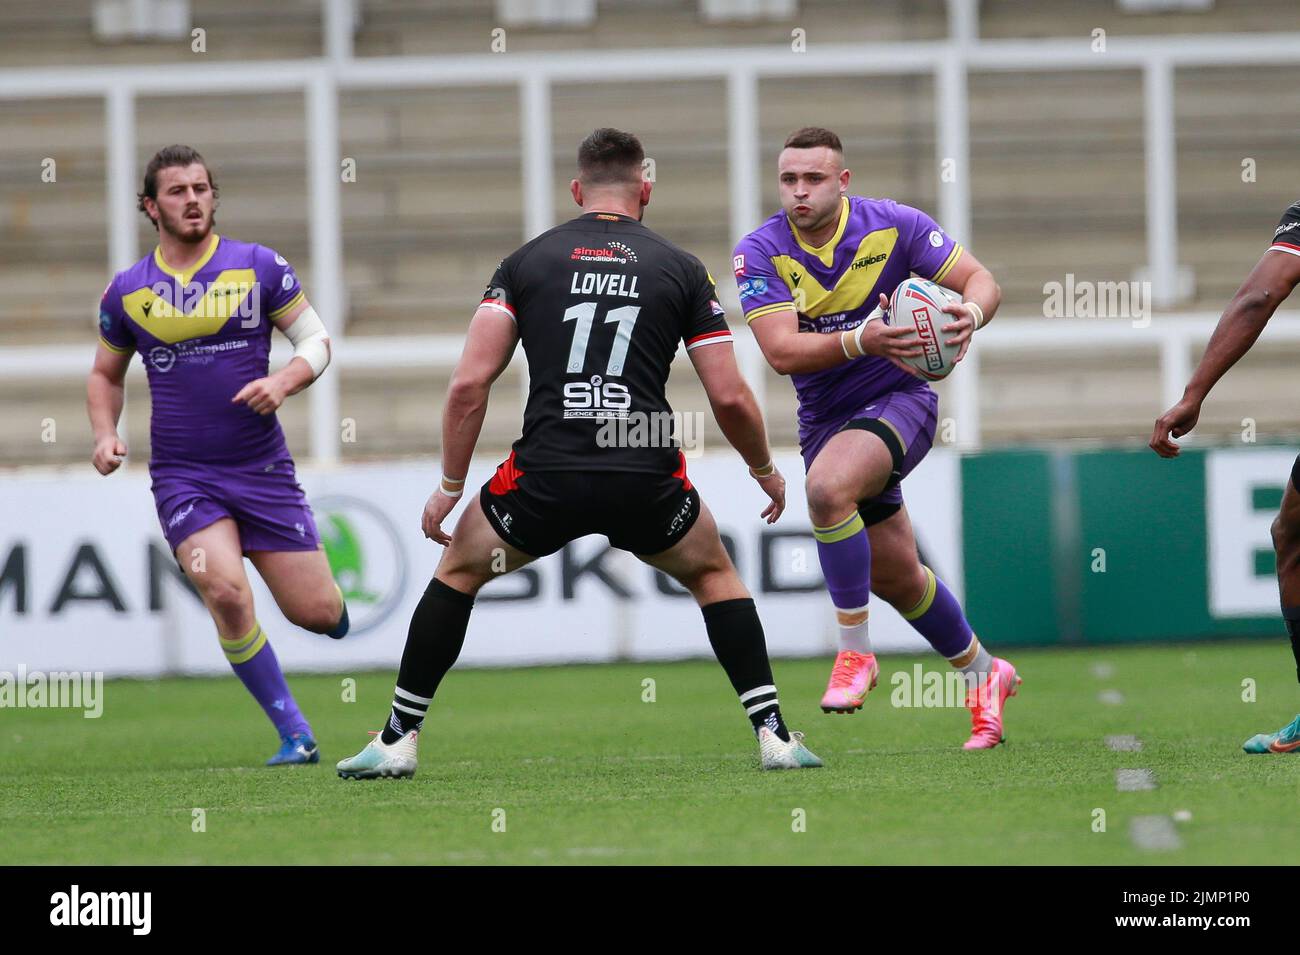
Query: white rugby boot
[[379, 760]]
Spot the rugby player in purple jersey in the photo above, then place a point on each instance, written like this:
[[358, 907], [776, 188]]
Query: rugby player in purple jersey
[[199, 310], [809, 279]]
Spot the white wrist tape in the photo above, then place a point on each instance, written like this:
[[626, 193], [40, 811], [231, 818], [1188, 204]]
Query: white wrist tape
[[310, 340], [876, 313]]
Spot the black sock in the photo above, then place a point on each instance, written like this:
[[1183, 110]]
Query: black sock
[[433, 643], [1292, 617], [736, 635]]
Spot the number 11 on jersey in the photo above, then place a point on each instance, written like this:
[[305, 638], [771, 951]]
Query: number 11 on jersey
[[583, 314]]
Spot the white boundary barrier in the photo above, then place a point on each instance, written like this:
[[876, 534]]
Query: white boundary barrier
[[1169, 339]]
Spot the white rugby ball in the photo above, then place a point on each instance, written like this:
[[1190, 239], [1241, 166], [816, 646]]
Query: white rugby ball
[[918, 303]]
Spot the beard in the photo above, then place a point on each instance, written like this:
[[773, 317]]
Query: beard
[[186, 230]]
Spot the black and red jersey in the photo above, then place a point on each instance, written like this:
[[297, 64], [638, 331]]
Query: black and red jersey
[[602, 303], [1286, 237]]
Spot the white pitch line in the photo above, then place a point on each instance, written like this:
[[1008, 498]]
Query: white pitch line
[[594, 851], [1126, 743], [1103, 671], [1134, 780], [1154, 833], [1112, 697]]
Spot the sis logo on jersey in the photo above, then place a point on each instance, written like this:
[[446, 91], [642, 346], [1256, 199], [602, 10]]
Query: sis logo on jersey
[[596, 398]]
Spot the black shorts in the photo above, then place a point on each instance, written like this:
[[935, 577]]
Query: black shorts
[[538, 512]]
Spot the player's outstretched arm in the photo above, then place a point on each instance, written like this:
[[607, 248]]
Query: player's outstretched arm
[[104, 398], [488, 346], [1267, 286], [311, 354], [741, 420], [789, 351]]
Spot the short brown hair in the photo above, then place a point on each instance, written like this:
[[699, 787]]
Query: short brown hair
[[810, 137], [610, 156], [168, 156]]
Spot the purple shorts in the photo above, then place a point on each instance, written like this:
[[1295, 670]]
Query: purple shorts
[[906, 421], [264, 499]]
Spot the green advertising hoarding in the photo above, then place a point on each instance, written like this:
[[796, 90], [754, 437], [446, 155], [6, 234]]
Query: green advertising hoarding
[[1103, 546]]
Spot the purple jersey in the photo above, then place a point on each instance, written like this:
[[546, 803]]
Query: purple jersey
[[203, 335], [877, 245]]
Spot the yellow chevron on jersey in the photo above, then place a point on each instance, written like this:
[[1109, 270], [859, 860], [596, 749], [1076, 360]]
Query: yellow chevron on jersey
[[224, 297], [851, 289]]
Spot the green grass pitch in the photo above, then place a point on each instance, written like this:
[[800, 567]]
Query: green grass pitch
[[586, 772]]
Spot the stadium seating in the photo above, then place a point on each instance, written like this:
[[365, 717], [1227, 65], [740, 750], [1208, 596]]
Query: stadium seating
[[1057, 185]]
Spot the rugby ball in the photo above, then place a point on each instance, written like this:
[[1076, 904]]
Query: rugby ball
[[918, 303]]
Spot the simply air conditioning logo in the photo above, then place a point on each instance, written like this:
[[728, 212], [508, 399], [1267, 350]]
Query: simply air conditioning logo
[[75, 907]]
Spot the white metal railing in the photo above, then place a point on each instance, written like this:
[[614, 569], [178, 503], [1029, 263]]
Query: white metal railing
[[1169, 339], [949, 61]]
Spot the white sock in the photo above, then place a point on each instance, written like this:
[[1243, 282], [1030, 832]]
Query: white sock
[[853, 633], [974, 659]]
